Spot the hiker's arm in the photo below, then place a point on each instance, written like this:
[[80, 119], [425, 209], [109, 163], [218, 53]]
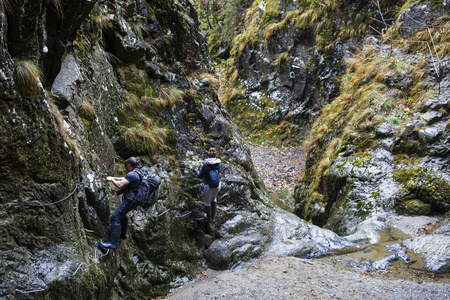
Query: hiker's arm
[[119, 182], [202, 172]]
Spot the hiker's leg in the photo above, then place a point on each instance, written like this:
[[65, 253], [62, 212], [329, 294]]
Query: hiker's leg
[[213, 209], [214, 194], [208, 197], [123, 233], [121, 213], [114, 233]]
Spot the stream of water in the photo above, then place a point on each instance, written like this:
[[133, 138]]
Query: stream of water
[[359, 260]]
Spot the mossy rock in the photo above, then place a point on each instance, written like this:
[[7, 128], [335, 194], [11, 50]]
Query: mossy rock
[[429, 189], [413, 207], [411, 147]]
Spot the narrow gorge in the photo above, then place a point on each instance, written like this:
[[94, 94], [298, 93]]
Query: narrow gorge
[[330, 118]]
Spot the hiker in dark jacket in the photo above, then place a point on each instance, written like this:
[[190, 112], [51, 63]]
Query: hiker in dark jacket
[[210, 172], [128, 186]]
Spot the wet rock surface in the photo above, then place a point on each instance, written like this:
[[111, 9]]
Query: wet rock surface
[[248, 237]]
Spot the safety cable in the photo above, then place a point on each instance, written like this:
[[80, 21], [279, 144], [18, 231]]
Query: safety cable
[[418, 22], [184, 215], [166, 165], [161, 214], [53, 203], [320, 4], [79, 266], [29, 292], [78, 185]]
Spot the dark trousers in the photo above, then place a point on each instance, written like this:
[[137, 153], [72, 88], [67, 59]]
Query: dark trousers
[[120, 214]]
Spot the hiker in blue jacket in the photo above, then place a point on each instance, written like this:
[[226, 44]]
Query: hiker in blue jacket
[[210, 172], [128, 186]]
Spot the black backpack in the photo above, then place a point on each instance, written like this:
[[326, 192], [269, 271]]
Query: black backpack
[[147, 191]]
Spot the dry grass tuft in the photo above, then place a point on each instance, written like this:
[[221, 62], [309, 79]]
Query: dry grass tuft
[[168, 96], [29, 76], [213, 79], [87, 110], [63, 129], [138, 28], [103, 23], [5, 5], [59, 8], [134, 102], [147, 135]]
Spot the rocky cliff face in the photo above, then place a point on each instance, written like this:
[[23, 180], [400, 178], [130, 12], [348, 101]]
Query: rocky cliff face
[[285, 62], [380, 149], [373, 114], [86, 84]]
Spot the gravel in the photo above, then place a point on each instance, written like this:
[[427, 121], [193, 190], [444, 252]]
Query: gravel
[[279, 168], [295, 278]]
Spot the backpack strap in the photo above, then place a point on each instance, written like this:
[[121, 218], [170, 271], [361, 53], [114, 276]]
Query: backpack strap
[[139, 172]]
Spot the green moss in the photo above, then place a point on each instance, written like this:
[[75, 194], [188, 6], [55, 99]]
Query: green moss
[[375, 194], [81, 48], [252, 116], [415, 207], [405, 175], [326, 36], [425, 192], [271, 12], [137, 88], [364, 209], [411, 147], [436, 4], [361, 159], [87, 124]]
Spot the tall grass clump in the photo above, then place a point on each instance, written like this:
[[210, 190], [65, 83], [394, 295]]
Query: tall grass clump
[[140, 118], [103, 22], [168, 97], [251, 33], [147, 135], [63, 129], [28, 76], [5, 5], [58, 8]]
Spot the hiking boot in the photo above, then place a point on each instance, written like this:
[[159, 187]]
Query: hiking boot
[[114, 235]]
